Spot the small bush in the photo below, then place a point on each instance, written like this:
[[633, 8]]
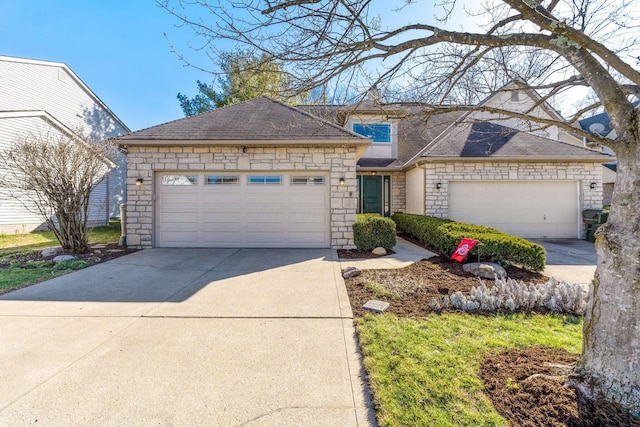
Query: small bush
[[71, 265], [511, 295], [372, 231], [495, 245]]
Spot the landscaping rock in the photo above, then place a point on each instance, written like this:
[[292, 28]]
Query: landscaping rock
[[47, 252], [61, 258], [350, 272], [376, 306], [379, 251], [485, 270]]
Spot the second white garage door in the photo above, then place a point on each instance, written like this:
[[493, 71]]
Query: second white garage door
[[534, 209], [260, 210]]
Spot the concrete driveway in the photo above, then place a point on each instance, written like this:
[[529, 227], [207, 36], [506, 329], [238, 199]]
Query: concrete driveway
[[570, 259], [185, 337]]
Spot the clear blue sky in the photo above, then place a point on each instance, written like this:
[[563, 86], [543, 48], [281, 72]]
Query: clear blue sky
[[117, 47]]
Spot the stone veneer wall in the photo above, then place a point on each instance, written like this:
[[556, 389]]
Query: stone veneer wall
[[437, 203], [398, 192], [144, 161]]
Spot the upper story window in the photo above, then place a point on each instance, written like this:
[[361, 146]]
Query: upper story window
[[377, 132]]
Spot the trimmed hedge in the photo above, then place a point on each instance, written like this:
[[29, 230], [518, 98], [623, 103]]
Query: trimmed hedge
[[371, 231], [495, 245]]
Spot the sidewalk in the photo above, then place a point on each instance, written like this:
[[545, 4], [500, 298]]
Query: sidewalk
[[406, 253]]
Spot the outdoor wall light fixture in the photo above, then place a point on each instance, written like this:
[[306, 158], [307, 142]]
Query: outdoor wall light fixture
[[438, 186], [244, 149], [139, 181], [341, 181], [374, 173], [592, 186]]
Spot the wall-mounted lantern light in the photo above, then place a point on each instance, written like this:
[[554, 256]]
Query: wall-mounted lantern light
[[438, 186], [341, 181], [374, 173], [592, 186], [139, 181], [244, 149]]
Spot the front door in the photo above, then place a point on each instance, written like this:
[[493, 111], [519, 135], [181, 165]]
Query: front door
[[372, 194]]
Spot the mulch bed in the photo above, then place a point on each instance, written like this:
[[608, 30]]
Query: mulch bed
[[419, 283], [99, 252], [528, 390], [356, 254]]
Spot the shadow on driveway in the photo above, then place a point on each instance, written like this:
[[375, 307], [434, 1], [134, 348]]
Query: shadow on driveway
[[174, 275]]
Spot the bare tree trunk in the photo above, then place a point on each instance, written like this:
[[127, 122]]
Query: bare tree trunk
[[609, 368]]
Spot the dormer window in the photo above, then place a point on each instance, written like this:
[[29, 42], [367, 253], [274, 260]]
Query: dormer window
[[377, 132]]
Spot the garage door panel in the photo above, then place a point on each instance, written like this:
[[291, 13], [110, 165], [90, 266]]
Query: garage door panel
[[244, 215], [533, 209], [170, 217]]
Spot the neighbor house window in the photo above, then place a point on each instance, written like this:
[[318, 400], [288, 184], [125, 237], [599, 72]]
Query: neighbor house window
[[179, 180], [377, 132], [222, 179], [307, 180], [264, 179]]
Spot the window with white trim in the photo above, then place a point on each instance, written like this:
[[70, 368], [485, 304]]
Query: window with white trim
[[307, 180], [264, 179], [376, 132]]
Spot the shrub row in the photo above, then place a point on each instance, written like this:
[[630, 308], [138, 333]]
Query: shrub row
[[371, 231], [495, 245]]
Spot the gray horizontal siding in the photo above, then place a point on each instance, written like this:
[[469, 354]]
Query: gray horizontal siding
[[35, 86], [14, 216]]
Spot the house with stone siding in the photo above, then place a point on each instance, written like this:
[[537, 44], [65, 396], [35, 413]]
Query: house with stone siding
[[265, 174]]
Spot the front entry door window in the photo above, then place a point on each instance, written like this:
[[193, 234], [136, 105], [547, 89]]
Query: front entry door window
[[374, 194]]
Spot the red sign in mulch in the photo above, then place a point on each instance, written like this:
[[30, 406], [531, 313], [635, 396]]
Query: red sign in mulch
[[464, 247]]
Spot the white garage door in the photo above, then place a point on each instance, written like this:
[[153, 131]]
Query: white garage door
[[259, 210], [540, 209]]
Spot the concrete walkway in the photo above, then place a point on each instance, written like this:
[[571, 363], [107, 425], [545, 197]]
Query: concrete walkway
[[406, 253], [197, 337]]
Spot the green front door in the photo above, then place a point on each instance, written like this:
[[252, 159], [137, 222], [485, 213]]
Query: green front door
[[372, 194]]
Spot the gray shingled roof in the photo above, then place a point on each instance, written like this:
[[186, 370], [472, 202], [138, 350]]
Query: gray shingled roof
[[260, 119], [491, 140]]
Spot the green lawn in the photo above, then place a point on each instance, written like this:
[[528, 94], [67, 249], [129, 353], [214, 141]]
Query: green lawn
[[16, 243], [424, 371], [19, 275]]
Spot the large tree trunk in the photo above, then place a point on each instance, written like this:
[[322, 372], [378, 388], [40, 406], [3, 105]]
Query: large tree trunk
[[609, 368]]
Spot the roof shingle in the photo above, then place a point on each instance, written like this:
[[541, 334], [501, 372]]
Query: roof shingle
[[491, 140], [260, 119]]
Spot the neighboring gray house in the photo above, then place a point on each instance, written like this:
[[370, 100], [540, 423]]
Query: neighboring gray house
[[265, 174], [600, 125], [42, 97]]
